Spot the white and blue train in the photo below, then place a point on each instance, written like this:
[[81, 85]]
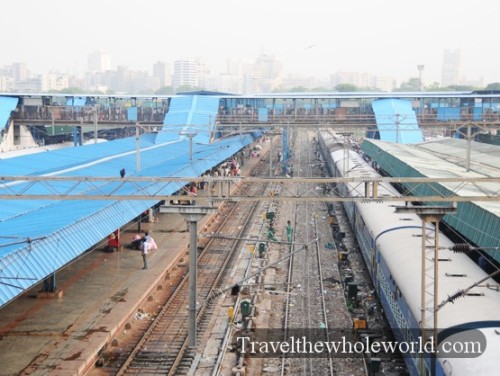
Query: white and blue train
[[391, 245]]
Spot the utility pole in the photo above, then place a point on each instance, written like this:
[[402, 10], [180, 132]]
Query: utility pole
[[429, 283], [192, 214], [469, 135], [271, 157], [398, 123]]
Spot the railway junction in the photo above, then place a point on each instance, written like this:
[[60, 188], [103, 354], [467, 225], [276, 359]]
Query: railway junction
[[277, 253]]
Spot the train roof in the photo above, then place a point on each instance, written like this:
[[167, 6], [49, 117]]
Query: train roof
[[398, 239], [478, 221]]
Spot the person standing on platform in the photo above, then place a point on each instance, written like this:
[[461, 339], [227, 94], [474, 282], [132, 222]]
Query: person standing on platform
[[145, 249], [193, 192]]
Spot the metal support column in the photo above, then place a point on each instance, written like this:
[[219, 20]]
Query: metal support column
[[469, 139], [271, 157], [137, 148], [190, 135], [192, 214], [430, 215], [95, 124], [193, 253]]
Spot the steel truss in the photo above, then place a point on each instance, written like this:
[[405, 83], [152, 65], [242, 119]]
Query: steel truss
[[154, 188]]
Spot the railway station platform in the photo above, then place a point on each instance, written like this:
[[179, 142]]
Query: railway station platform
[[99, 294]]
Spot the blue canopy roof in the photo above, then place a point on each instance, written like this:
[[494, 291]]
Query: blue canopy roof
[[193, 114], [396, 121], [38, 237], [7, 105]]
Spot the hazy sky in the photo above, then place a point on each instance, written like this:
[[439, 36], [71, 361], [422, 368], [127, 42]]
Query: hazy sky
[[311, 37]]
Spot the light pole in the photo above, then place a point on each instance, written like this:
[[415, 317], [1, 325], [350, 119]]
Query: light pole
[[420, 68]]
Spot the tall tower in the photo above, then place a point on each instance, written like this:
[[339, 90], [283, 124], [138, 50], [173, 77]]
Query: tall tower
[[451, 68], [161, 71], [20, 71], [99, 61], [268, 72], [420, 68], [186, 72]]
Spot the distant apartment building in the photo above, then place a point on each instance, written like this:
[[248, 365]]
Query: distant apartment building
[[298, 81], [360, 80], [11, 75], [363, 81], [20, 71], [383, 83], [163, 73], [6, 84], [99, 61], [95, 81], [267, 73], [31, 85], [239, 77], [186, 73], [55, 81], [225, 83], [450, 74]]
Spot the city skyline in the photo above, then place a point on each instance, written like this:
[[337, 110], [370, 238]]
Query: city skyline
[[264, 74], [310, 39]]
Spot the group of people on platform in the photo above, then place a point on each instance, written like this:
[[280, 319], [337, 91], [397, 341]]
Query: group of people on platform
[[226, 169]]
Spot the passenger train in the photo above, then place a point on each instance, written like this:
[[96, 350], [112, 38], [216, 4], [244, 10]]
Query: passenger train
[[391, 245]]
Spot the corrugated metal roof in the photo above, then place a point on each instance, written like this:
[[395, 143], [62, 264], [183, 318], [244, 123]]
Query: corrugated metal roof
[[485, 158], [194, 114], [7, 105], [37, 237], [478, 221], [396, 121]]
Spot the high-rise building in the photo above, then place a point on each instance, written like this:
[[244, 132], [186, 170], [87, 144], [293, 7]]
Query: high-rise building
[[450, 74], [99, 61], [20, 71], [360, 80], [186, 73], [298, 81], [162, 72], [7, 83], [54, 81], [268, 73]]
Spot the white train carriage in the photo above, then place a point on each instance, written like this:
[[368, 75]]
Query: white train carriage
[[391, 244]]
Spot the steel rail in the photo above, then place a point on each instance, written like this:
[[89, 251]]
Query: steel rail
[[177, 360]]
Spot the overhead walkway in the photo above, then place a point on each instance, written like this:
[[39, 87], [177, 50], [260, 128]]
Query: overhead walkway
[[396, 121], [477, 221], [39, 237]]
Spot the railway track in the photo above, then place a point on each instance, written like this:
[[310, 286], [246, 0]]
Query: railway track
[[161, 345], [298, 288], [306, 308], [294, 286]]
